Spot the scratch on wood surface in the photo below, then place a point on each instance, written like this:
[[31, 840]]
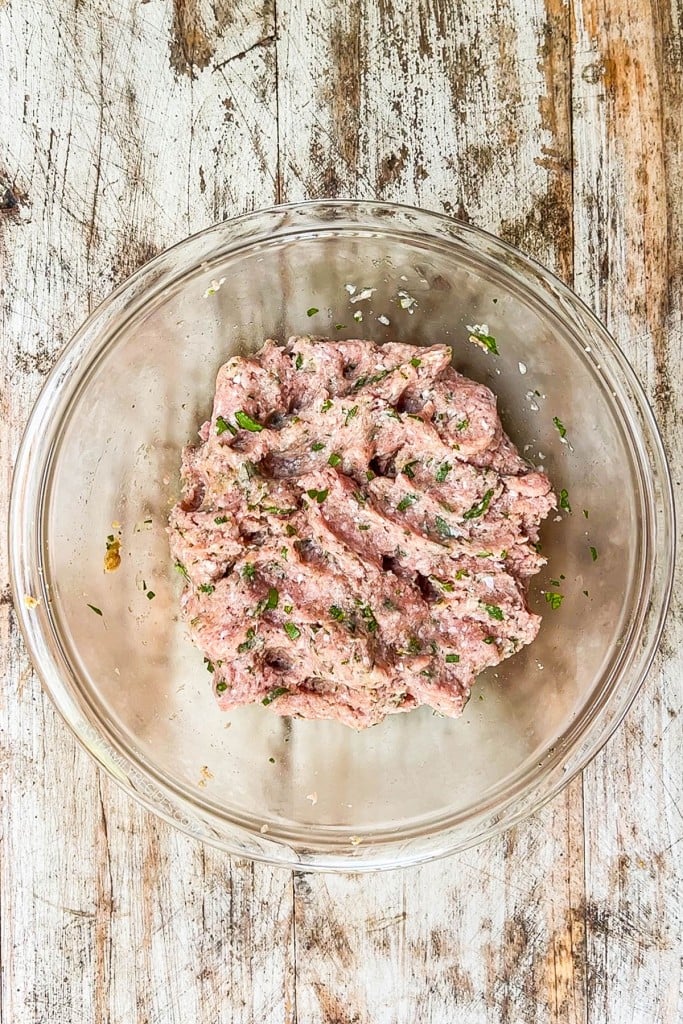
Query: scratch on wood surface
[[103, 914]]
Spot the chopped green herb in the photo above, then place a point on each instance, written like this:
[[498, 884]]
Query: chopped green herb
[[370, 620], [278, 511], [210, 667], [359, 496], [292, 631], [272, 600], [561, 429], [289, 530], [249, 571], [406, 501], [408, 469], [487, 341], [288, 609], [585, 513], [585, 592], [444, 584], [494, 611], [489, 639], [443, 529], [327, 404], [222, 425], [334, 459], [414, 645], [340, 327], [452, 659], [555, 583], [247, 423], [219, 520], [350, 414], [207, 588], [416, 362], [97, 611], [299, 361], [594, 553], [461, 573], [364, 526], [375, 378], [462, 424], [554, 599], [564, 500], [279, 691], [312, 310], [336, 613], [479, 509], [369, 475], [485, 554], [317, 446], [221, 687], [284, 553], [179, 567], [249, 642], [150, 595], [318, 496], [443, 471]]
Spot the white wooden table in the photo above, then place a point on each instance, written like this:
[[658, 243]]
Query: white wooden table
[[125, 126]]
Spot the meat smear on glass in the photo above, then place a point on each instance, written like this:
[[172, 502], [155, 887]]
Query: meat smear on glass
[[356, 532]]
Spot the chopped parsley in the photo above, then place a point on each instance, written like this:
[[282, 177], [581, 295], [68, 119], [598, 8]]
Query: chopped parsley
[[406, 502], [206, 588], [487, 341], [179, 567], [292, 630], [452, 659], [370, 620], [279, 691], [288, 609], [317, 446], [318, 496], [289, 530], [494, 611], [443, 471], [479, 508], [312, 310], [594, 553], [416, 362], [222, 425], [340, 327], [585, 513], [484, 554], [272, 600], [299, 361], [247, 423], [375, 378], [444, 584], [210, 667], [334, 459], [327, 404], [408, 469], [461, 573], [284, 552], [359, 496], [97, 611], [561, 429], [443, 529], [564, 500], [414, 645], [489, 639], [336, 613], [554, 599], [249, 642], [219, 520], [463, 424], [221, 687], [249, 571], [353, 411], [150, 595]]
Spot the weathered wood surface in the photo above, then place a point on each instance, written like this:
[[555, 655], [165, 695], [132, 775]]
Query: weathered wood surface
[[125, 126]]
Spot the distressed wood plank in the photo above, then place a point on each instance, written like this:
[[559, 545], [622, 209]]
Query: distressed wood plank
[[628, 110], [124, 127]]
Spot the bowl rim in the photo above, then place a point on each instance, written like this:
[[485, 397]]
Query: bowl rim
[[57, 679]]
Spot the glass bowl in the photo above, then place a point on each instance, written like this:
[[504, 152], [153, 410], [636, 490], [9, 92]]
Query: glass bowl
[[103, 445]]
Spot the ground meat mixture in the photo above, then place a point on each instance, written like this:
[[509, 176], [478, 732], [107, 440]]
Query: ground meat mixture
[[356, 532]]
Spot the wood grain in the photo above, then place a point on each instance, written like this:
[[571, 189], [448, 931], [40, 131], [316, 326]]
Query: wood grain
[[125, 126]]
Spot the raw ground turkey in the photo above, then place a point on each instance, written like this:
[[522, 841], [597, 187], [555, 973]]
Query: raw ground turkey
[[356, 530]]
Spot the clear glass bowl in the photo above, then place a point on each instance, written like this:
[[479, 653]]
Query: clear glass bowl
[[103, 446]]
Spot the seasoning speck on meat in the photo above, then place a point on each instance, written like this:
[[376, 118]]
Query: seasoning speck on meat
[[355, 533]]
